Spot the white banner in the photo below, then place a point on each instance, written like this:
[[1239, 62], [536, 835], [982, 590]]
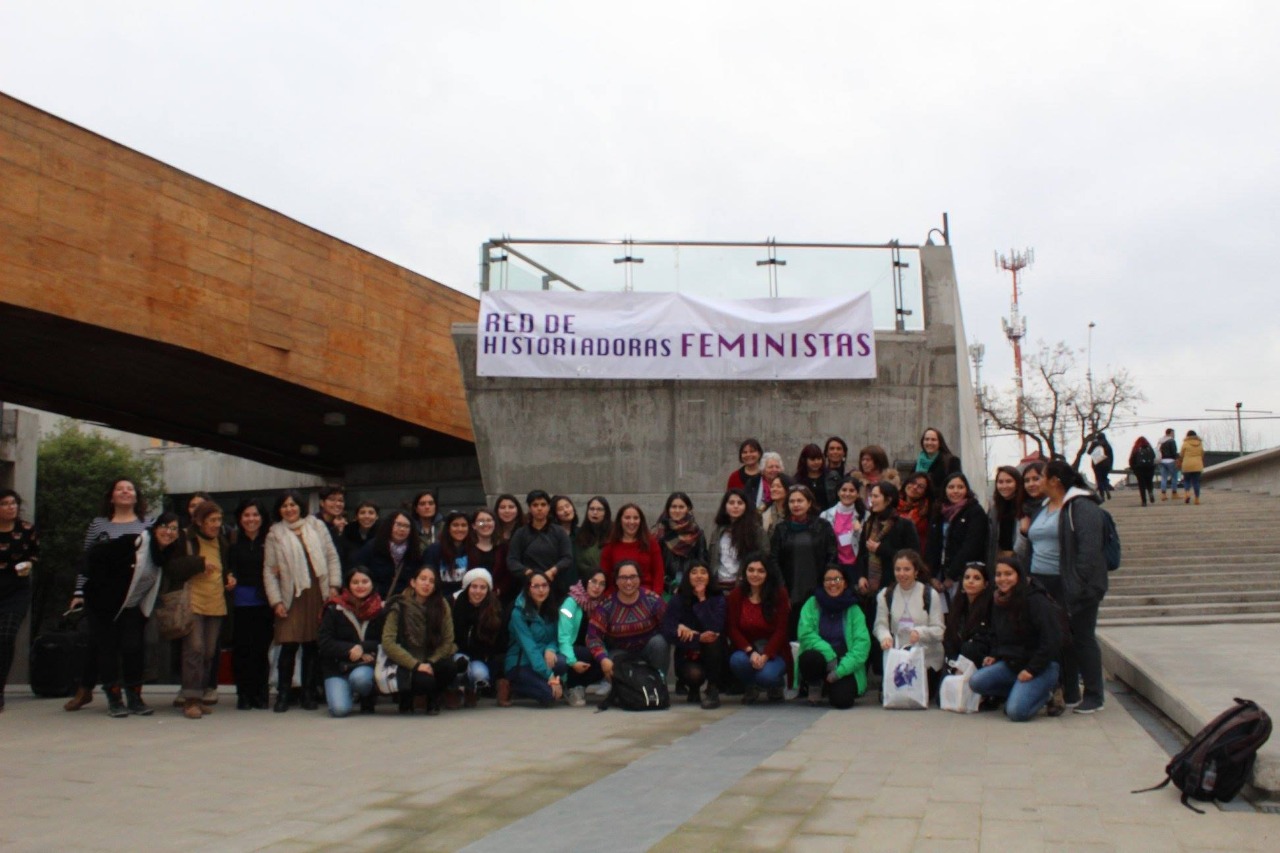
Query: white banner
[[673, 336]]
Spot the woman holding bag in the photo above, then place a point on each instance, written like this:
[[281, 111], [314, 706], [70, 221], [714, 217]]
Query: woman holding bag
[[908, 613]]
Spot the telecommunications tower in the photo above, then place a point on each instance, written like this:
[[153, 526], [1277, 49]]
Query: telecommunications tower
[[1015, 328]]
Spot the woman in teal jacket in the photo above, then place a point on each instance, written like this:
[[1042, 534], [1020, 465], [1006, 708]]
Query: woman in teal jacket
[[575, 615], [534, 665], [834, 643]]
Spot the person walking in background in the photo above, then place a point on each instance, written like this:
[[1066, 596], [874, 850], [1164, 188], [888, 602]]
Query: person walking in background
[[1103, 459], [1191, 463], [19, 551], [1142, 461], [1168, 465]]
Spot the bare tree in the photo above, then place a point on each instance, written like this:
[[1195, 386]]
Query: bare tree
[[1058, 406]]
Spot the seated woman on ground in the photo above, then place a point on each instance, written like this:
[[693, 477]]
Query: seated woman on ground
[[694, 626], [759, 612], [1022, 665], [350, 630], [969, 619], [417, 636], [535, 668], [480, 635], [834, 643], [575, 616], [628, 622], [909, 613]]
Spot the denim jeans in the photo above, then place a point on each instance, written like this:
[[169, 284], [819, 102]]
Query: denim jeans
[[1023, 699], [475, 676], [525, 681], [1168, 474], [340, 691], [1191, 480], [770, 675]]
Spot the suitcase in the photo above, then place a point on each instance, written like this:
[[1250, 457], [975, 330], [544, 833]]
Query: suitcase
[[58, 657]]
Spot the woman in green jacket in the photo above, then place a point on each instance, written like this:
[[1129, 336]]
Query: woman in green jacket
[[534, 665], [834, 643], [575, 615], [417, 636]]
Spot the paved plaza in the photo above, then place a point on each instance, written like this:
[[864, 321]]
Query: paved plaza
[[765, 777]]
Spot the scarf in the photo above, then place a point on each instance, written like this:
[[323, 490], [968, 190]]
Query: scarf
[[680, 538], [924, 461], [398, 551], [302, 557], [364, 611], [950, 511], [797, 526]]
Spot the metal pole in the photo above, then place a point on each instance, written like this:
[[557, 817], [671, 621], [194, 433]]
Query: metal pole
[[1240, 428]]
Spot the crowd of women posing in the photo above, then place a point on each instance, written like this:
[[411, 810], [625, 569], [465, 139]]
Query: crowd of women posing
[[791, 584]]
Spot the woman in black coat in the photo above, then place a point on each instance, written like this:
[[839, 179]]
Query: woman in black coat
[[350, 629], [957, 534], [254, 622], [803, 547], [884, 534]]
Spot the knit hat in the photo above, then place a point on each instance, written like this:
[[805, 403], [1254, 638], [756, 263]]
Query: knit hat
[[477, 574]]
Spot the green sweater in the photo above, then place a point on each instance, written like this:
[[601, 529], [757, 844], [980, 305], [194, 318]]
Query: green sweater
[[856, 639]]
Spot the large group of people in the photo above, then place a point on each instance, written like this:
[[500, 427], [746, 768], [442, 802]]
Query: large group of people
[[802, 580]]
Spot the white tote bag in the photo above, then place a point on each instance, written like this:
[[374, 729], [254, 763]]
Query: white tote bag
[[955, 693], [906, 683]]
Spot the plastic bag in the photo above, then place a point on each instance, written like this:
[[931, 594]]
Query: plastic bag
[[906, 685], [955, 693]]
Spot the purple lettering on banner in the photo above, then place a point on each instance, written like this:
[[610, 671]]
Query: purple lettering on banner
[[650, 348], [544, 346], [734, 345], [704, 341], [586, 348], [685, 337], [619, 347], [557, 346], [526, 323], [634, 347], [490, 345], [568, 324], [864, 344], [778, 345], [844, 345], [666, 348], [551, 323], [809, 349], [492, 322]]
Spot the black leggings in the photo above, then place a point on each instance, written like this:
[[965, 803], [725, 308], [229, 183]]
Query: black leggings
[[842, 692], [119, 646], [310, 666], [414, 682], [13, 610], [706, 667], [250, 642]]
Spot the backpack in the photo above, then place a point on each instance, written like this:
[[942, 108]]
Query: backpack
[[637, 686], [1110, 542], [1146, 456], [1168, 449], [1218, 760]]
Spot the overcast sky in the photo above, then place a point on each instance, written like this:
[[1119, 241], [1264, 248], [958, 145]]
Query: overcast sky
[[1135, 146]]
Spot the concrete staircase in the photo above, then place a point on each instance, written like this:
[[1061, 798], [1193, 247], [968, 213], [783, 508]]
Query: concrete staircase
[[1214, 563]]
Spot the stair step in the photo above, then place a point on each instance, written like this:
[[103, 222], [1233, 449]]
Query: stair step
[[1218, 619], [1161, 597], [1163, 610], [1162, 587]]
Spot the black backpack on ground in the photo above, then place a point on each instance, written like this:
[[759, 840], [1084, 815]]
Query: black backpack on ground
[[637, 686], [57, 658], [1218, 760]]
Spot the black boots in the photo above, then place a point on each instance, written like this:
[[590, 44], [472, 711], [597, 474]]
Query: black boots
[[711, 696], [134, 703], [115, 705]]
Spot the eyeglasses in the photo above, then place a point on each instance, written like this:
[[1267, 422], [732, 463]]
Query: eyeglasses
[[832, 581], [596, 582], [168, 528], [539, 586], [622, 578]]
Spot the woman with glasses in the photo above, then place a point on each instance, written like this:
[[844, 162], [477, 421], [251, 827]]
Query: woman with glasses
[[392, 556], [486, 552], [534, 665], [834, 643], [628, 623]]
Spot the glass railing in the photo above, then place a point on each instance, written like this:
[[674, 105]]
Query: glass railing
[[715, 270]]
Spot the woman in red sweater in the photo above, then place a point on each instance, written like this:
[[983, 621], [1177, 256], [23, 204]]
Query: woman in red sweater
[[758, 612], [630, 539]]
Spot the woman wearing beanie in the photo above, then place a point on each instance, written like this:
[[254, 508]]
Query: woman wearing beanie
[[1022, 665], [834, 643], [479, 633], [350, 629]]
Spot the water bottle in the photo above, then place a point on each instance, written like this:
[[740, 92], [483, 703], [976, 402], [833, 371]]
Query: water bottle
[[1210, 777]]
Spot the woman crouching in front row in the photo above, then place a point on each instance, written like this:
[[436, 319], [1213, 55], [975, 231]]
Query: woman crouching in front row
[[418, 637], [1022, 666]]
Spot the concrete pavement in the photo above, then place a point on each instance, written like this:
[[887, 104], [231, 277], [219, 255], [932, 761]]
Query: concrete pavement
[[864, 778]]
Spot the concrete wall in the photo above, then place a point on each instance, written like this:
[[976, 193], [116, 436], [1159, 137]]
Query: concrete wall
[[639, 440], [1257, 472], [19, 443]]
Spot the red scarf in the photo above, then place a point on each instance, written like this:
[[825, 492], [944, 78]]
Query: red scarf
[[680, 538], [950, 511], [364, 610]]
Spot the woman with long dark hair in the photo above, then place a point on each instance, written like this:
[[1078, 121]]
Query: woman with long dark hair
[[759, 611], [575, 617], [747, 477], [417, 637], [350, 630], [1021, 666], [737, 533], [252, 626], [936, 460], [448, 555], [811, 473], [915, 503], [680, 538], [19, 552], [776, 511], [534, 664], [909, 613], [957, 535], [1004, 515], [510, 517], [884, 533], [1033, 501], [968, 630], [591, 537], [392, 556], [122, 582], [479, 633], [694, 626], [486, 552], [301, 570], [1142, 461], [846, 517], [630, 540], [565, 514]]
